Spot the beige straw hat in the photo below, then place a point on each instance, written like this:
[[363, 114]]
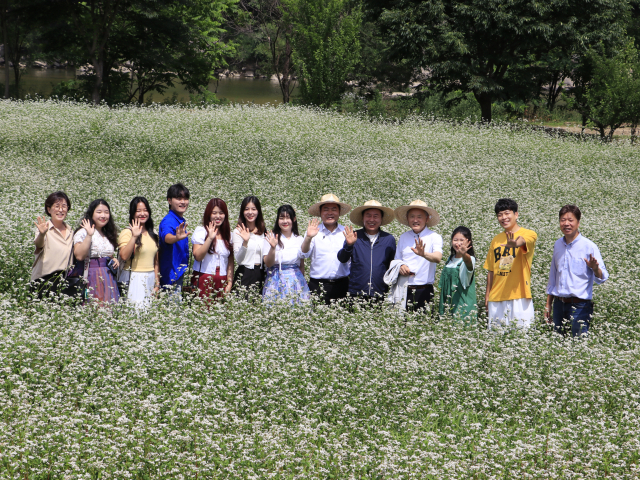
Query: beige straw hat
[[356, 214], [314, 210], [401, 213]]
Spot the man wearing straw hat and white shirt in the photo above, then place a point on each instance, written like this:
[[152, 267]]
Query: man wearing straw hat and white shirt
[[420, 249], [370, 251], [329, 277]]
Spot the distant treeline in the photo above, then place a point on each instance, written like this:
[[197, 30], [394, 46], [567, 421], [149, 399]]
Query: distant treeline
[[517, 52]]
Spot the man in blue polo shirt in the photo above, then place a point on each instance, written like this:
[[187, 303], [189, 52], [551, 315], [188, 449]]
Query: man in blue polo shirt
[[174, 241]]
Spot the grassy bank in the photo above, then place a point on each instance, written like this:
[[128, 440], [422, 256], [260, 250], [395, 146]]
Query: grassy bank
[[241, 391]]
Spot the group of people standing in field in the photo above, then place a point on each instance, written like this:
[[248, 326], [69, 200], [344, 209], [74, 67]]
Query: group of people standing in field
[[364, 265]]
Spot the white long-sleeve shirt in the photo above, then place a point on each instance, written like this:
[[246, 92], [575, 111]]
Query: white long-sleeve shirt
[[323, 253]]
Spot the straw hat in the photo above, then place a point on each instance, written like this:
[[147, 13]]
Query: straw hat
[[356, 214], [401, 213], [314, 210]]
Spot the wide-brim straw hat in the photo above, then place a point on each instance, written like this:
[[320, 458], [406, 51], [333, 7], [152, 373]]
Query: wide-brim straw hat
[[401, 213], [314, 210], [356, 214]]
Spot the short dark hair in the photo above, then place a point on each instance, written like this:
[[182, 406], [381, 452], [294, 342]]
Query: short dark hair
[[570, 209], [506, 204], [178, 190], [55, 197]]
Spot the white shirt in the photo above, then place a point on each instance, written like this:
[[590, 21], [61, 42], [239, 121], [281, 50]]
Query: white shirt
[[290, 254], [100, 246], [250, 255], [210, 261], [324, 254], [424, 270], [465, 275]]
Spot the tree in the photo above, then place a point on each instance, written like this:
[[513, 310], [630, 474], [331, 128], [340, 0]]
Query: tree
[[162, 41], [268, 19], [612, 96], [492, 48], [17, 22], [326, 47]]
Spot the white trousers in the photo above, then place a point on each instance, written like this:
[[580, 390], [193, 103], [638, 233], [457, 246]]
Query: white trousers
[[511, 313], [141, 288]]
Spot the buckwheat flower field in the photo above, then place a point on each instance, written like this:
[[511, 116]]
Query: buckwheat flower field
[[238, 390]]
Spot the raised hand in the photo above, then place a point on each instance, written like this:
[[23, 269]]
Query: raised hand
[[511, 241], [86, 224], [463, 248], [592, 263], [350, 235], [313, 228], [181, 232], [136, 227], [272, 239], [419, 248], [212, 230], [41, 224], [245, 233]]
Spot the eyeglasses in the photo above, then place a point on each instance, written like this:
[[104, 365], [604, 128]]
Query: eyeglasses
[[63, 207]]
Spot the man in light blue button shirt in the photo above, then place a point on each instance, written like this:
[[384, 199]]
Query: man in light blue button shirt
[[575, 265]]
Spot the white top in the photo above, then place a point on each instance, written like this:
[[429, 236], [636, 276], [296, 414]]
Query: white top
[[100, 246], [324, 254], [252, 254], [425, 271], [465, 275], [210, 261], [290, 254]]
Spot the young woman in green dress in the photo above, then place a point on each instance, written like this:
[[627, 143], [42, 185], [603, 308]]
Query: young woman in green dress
[[457, 281]]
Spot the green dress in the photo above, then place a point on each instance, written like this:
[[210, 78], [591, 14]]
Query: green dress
[[461, 301]]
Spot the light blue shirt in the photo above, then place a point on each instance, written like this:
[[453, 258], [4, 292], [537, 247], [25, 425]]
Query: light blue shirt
[[569, 275]]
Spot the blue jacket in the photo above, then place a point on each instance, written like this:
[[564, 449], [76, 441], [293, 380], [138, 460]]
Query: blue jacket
[[368, 263]]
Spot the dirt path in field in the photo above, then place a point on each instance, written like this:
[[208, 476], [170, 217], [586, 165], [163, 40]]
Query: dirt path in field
[[620, 132]]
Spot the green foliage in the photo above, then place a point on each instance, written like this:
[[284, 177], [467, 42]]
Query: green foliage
[[612, 96], [491, 48], [326, 47]]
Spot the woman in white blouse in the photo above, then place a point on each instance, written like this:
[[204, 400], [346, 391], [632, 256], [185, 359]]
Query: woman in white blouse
[[213, 265], [94, 244], [248, 238], [284, 260]]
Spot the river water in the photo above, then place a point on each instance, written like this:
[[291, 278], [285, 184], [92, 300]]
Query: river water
[[235, 89]]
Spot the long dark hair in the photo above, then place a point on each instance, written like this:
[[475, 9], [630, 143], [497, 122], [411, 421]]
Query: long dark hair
[[109, 230], [133, 207], [259, 219], [225, 229], [466, 233], [282, 211]]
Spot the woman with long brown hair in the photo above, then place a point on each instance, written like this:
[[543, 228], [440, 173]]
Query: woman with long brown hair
[[213, 265]]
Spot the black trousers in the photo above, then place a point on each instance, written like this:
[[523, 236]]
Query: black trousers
[[419, 297], [250, 278], [52, 282], [329, 290], [376, 301]]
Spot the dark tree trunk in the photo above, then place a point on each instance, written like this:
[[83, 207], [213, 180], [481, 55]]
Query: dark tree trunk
[[98, 67], [484, 99], [286, 71], [5, 39]]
